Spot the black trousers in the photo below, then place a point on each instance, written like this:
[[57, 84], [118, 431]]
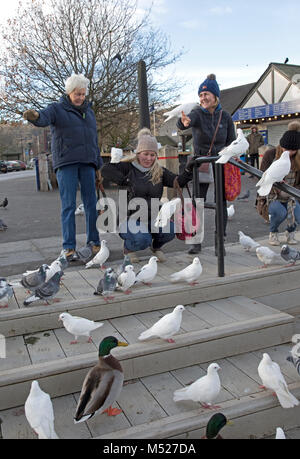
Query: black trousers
[[254, 159], [203, 194]]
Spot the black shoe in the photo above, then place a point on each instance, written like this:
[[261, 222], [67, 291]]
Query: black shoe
[[195, 248]]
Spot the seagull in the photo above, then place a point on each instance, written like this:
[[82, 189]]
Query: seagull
[[230, 212], [236, 148], [39, 412], [205, 390], [3, 226], [4, 202], [244, 197], [247, 242], [176, 112], [6, 292], [167, 210], [116, 154], [148, 272], [280, 434], [272, 378], [101, 257], [267, 256], [189, 274], [78, 326], [80, 210], [275, 173], [107, 284], [165, 327], [290, 254], [46, 291], [126, 279]]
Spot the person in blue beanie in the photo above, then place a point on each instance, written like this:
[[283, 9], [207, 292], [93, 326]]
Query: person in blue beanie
[[204, 120], [75, 157]]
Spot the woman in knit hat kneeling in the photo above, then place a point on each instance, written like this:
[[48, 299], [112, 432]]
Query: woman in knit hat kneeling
[[144, 178], [282, 206]]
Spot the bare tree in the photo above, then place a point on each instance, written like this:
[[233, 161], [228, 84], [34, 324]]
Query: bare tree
[[103, 39]]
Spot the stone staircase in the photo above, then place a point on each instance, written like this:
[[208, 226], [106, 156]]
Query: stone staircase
[[231, 320]]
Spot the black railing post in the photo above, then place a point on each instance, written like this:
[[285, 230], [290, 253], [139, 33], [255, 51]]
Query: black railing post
[[144, 115], [219, 239]]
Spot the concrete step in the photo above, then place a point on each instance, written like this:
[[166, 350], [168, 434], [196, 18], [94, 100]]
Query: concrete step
[[209, 331], [149, 411], [76, 294]]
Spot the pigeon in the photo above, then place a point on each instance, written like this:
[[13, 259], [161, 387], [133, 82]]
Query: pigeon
[[272, 378], [230, 212], [176, 112], [39, 412], [126, 279], [165, 327], [247, 242], [46, 291], [295, 361], [294, 358], [3, 226], [126, 262], [100, 257], [166, 212], [116, 154], [280, 434], [275, 173], [235, 149], [290, 254], [107, 284], [80, 210], [267, 256], [245, 197], [6, 292], [78, 326], [63, 261], [148, 272], [189, 274], [85, 254], [205, 390], [4, 202], [31, 280]]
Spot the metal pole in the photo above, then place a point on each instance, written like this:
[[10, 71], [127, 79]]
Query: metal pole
[[144, 115], [219, 218]]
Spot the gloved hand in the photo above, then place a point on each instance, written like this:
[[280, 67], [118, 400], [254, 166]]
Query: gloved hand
[[190, 165], [31, 115]]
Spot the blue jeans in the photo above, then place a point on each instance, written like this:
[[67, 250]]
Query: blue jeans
[[278, 213], [68, 178], [144, 238]]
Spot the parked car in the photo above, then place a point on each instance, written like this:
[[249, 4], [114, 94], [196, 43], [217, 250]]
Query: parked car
[[22, 164], [13, 166], [3, 167]]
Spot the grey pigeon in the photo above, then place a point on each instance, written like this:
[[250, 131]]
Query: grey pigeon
[[85, 254], [47, 290], [295, 361], [107, 284], [31, 280], [126, 262], [63, 261], [6, 292], [3, 226], [4, 202], [289, 254], [244, 197]]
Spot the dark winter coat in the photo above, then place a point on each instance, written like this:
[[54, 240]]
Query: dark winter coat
[[255, 140], [73, 133], [203, 126], [139, 183]]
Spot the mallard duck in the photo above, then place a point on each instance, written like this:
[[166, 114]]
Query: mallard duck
[[214, 425], [102, 385]]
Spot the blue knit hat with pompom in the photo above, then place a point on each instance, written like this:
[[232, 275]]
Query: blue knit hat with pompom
[[210, 85]]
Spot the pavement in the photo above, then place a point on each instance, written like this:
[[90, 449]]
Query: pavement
[[33, 236]]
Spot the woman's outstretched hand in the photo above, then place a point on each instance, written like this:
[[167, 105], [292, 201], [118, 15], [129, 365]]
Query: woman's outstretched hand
[[185, 119]]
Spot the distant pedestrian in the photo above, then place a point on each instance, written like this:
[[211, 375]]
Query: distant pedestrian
[[255, 140], [76, 158]]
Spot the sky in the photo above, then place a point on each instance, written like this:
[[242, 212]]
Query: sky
[[236, 40]]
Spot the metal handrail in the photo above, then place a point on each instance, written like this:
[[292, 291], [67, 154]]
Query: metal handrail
[[219, 197]]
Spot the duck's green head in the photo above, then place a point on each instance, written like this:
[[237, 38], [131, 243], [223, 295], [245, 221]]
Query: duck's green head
[[215, 424], [107, 344]]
